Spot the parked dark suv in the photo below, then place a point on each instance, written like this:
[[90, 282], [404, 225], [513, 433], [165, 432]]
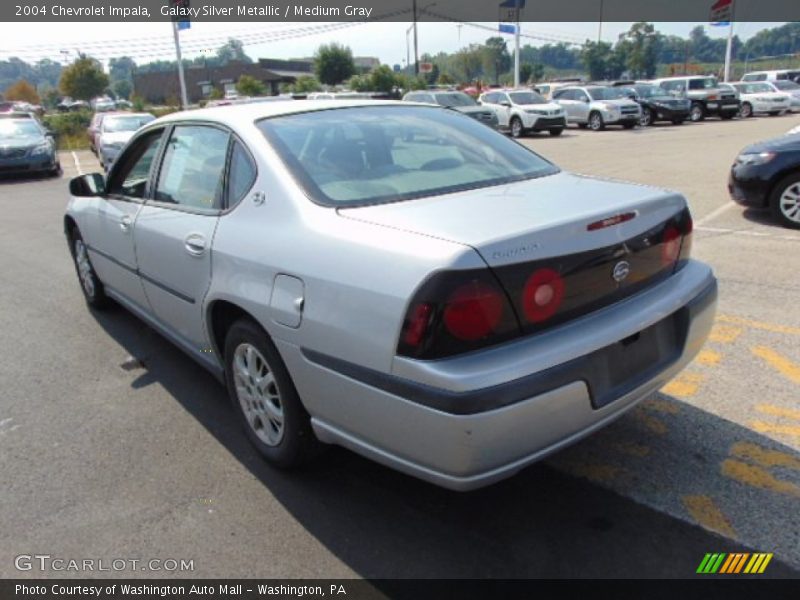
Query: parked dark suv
[[704, 93], [657, 104]]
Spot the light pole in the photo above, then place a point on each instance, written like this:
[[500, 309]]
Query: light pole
[[414, 26]]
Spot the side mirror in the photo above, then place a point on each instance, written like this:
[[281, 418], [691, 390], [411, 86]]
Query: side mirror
[[88, 186], [585, 99]]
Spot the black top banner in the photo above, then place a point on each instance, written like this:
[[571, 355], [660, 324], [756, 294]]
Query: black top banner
[[401, 10]]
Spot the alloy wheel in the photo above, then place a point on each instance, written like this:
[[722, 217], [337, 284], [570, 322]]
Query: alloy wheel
[[789, 202], [258, 394], [84, 268]]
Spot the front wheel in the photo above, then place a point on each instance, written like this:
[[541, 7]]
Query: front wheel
[[556, 132], [647, 117], [785, 201], [91, 286], [697, 113], [516, 127], [746, 110], [596, 122], [265, 398]]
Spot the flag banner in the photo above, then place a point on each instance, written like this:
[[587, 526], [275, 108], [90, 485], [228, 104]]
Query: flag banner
[[445, 11], [507, 28]]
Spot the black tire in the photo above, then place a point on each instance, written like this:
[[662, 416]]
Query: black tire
[[774, 113], [297, 443], [91, 286], [787, 215], [746, 111], [516, 128], [697, 112], [556, 132], [648, 118], [596, 121]]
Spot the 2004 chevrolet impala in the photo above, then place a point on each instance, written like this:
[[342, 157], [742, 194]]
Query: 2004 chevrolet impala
[[398, 279]]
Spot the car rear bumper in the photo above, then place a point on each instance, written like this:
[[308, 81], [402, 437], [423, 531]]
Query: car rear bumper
[[463, 451]]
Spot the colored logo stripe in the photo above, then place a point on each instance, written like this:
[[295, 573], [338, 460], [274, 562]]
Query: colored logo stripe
[[734, 563]]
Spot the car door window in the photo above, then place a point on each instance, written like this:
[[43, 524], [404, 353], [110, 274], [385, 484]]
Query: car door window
[[193, 167], [562, 95], [129, 177], [242, 175]]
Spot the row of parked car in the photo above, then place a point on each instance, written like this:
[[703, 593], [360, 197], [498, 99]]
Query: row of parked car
[[110, 131], [551, 107]]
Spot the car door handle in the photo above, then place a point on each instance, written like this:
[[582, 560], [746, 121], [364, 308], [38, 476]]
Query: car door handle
[[195, 244], [125, 223]]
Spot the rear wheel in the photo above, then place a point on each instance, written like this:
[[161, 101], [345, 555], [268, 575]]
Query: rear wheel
[[596, 121], [265, 398], [785, 201], [516, 127], [697, 112], [746, 110], [556, 132]]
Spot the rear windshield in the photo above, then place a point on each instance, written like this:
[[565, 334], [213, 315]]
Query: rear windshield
[[454, 99], [372, 155]]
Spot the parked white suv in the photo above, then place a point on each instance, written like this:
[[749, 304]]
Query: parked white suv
[[521, 111], [597, 106]]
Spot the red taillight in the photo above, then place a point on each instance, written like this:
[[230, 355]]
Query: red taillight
[[670, 245], [542, 295], [473, 311], [417, 324]]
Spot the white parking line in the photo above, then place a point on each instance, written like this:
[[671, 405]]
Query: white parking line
[[715, 213], [77, 163], [762, 234]]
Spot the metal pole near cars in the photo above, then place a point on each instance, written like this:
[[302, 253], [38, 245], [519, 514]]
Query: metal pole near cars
[[181, 79]]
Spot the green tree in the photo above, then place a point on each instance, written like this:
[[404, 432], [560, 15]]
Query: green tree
[[250, 86], [122, 88], [496, 59], [359, 83], [538, 72], [468, 62], [641, 48], [232, 50], [306, 84], [595, 57], [382, 79], [445, 79], [525, 72], [22, 91], [121, 68], [333, 63], [83, 80]]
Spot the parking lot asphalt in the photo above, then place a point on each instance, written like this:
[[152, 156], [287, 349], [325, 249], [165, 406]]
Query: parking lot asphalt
[[100, 460]]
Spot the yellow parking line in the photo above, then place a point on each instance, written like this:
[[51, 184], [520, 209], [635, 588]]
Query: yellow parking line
[[779, 411], [773, 327], [662, 405], [709, 358], [684, 385], [762, 427], [757, 477], [764, 456], [724, 334], [705, 512], [780, 363], [650, 422]]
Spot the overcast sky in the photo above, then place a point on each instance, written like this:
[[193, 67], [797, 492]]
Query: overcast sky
[[387, 41]]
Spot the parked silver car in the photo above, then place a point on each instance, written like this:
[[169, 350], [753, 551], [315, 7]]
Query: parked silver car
[[395, 278], [597, 106], [114, 131]]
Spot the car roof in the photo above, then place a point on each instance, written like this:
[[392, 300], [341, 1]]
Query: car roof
[[242, 115]]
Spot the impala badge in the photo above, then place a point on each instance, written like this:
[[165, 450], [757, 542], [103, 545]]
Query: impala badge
[[621, 270]]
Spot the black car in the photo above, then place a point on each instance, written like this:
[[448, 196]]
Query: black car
[[657, 105], [457, 101], [26, 146], [767, 174]]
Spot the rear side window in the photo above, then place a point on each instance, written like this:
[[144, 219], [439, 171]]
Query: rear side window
[[242, 175], [193, 167]]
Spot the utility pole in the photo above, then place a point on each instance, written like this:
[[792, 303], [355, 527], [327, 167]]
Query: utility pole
[[600, 26], [516, 48], [416, 50], [181, 79], [729, 47]]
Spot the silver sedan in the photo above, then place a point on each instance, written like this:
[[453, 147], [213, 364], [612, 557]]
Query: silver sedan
[[394, 278]]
